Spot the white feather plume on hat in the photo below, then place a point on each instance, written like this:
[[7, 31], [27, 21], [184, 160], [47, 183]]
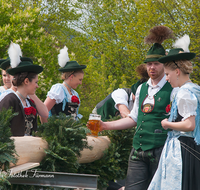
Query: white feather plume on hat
[[14, 53], [183, 43], [63, 57]]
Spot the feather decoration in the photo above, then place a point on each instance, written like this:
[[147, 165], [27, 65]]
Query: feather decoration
[[63, 57], [158, 34], [14, 53], [183, 43]]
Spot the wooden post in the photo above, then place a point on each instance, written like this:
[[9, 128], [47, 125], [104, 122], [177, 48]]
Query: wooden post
[[99, 144]]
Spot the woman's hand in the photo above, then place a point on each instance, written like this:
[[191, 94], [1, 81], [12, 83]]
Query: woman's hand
[[164, 123]]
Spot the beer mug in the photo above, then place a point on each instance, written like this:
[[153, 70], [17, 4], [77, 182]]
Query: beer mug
[[94, 124]]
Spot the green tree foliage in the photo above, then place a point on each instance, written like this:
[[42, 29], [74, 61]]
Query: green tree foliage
[[20, 24], [112, 40], [105, 35]]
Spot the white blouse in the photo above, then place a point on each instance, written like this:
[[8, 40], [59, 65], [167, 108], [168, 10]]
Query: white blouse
[[186, 102], [2, 89], [56, 92]]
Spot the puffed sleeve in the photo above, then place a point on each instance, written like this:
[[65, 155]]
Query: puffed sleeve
[[187, 103], [56, 92], [120, 96]]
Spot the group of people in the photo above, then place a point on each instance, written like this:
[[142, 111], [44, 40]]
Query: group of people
[[20, 78], [166, 143], [165, 112]]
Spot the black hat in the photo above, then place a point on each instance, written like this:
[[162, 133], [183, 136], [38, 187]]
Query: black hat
[[177, 54], [180, 52], [72, 66], [4, 63], [66, 64], [26, 65]]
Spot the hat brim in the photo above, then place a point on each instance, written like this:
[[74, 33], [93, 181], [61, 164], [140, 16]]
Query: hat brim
[[150, 60], [6, 64], [179, 56], [80, 67], [25, 68], [2, 60]]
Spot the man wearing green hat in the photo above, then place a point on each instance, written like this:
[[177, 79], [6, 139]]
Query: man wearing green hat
[[151, 100]]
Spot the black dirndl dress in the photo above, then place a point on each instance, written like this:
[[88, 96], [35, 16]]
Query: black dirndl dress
[[190, 153]]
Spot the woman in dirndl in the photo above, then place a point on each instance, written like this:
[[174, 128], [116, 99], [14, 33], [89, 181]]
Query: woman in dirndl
[[179, 165], [62, 97], [25, 78]]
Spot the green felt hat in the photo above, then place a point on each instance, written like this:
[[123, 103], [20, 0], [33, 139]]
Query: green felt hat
[[1, 61], [72, 66], [26, 65], [156, 51], [5, 64], [177, 54]]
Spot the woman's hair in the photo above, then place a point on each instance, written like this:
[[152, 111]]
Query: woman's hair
[[20, 77], [66, 75], [184, 65], [141, 70]]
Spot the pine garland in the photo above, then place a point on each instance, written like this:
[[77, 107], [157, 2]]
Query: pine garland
[[7, 147], [66, 139]]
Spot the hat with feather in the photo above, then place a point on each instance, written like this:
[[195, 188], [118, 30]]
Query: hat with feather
[[180, 51], [6, 64], [157, 35], [18, 63], [65, 63]]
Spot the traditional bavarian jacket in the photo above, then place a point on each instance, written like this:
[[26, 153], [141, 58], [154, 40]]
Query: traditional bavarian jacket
[[149, 132], [149, 111], [19, 122]]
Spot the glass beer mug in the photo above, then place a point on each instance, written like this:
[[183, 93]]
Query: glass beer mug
[[94, 124]]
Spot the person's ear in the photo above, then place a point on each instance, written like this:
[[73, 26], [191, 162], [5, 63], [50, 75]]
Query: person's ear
[[177, 71], [26, 81], [71, 77]]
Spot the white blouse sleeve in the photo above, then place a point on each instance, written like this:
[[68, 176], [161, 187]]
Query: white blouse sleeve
[[56, 92], [187, 103], [120, 96]]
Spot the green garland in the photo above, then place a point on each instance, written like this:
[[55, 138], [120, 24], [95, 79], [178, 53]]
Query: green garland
[[66, 139], [7, 147]]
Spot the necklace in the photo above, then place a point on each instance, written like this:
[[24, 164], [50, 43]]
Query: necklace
[[23, 98], [67, 85], [186, 82]]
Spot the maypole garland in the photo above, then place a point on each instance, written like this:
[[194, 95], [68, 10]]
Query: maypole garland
[[7, 148]]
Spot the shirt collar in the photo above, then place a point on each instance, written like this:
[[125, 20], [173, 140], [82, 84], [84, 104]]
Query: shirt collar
[[160, 84]]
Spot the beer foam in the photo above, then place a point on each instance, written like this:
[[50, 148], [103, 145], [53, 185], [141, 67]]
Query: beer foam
[[94, 117]]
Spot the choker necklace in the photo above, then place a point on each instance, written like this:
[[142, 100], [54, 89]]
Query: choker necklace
[[67, 85], [21, 95], [186, 82]]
